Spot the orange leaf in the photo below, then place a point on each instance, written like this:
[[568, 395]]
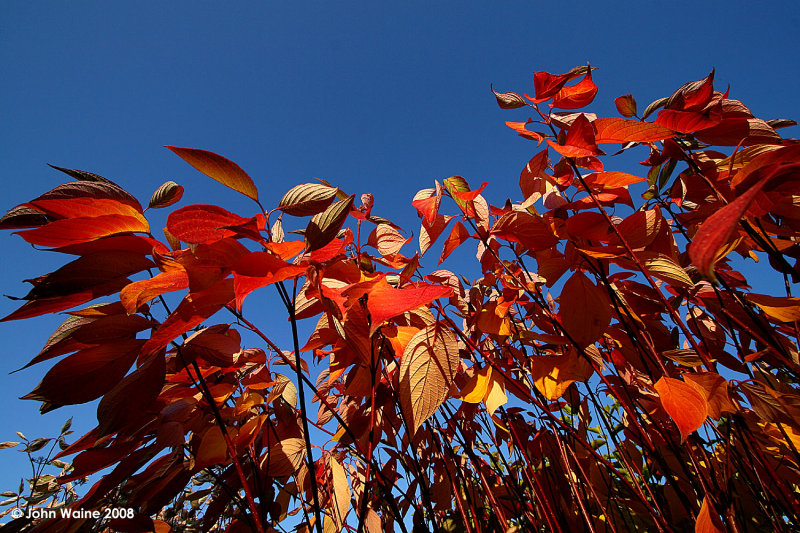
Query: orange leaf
[[520, 128], [138, 293], [191, 312], [385, 302], [211, 450], [714, 388], [623, 130], [219, 168], [683, 403], [69, 231], [458, 235], [705, 522], [781, 308], [578, 95], [553, 375], [474, 391]]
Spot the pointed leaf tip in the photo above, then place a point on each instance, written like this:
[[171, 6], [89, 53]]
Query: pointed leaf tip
[[218, 168]]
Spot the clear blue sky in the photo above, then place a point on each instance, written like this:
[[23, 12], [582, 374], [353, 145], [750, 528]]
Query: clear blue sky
[[374, 97]]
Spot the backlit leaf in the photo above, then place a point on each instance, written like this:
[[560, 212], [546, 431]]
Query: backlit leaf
[[622, 130], [705, 523], [715, 233], [529, 230], [69, 231], [259, 269], [781, 308], [552, 375], [576, 96], [584, 309], [683, 403], [458, 235], [427, 370], [195, 224], [212, 448], [219, 168], [714, 388], [341, 491]]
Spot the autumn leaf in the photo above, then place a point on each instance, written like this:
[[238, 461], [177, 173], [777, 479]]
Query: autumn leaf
[[427, 369], [621, 130], [169, 193], [705, 523], [683, 403], [780, 308], [220, 169], [578, 95], [307, 199], [626, 105], [552, 375], [716, 231], [69, 231], [584, 310], [195, 224], [714, 388]]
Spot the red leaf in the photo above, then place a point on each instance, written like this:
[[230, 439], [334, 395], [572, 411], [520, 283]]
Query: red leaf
[[584, 309], [86, 375], [70, 231], [219, 168], [716, 231], [192, 311], [385, 302], [580, 141], [578, 95], [86, 272], [687, 121], [128, 401], [529, 230], [259, 269], [546, 85], [458, 235], [59, 303], [530, 179], [735, 131], [622, 130], [683, 404], [706, 523], [195, 224]]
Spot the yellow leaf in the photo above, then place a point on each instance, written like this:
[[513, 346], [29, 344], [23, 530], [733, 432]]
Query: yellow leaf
[[553, 375], [496, 395], [781, 308], [477, 386]]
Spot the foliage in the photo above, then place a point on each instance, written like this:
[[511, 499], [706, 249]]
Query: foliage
[[608, 370]]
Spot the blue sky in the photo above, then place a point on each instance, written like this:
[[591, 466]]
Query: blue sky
[[374, 97]]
